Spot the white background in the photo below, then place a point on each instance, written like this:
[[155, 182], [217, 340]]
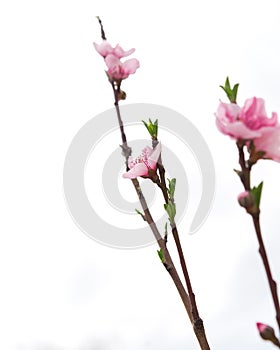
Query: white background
[[59, 289]]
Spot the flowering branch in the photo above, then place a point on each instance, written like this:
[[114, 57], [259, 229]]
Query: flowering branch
[[251, 128], [146, 167]]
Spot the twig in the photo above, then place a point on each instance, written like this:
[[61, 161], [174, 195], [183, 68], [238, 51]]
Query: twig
[[245, 179], [103, 36], [196, 319]]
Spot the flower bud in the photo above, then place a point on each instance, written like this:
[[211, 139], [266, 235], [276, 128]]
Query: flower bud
[[246, 200], [267, 333]]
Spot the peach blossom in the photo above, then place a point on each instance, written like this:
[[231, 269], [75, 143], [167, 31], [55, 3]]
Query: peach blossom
[[146, 161]]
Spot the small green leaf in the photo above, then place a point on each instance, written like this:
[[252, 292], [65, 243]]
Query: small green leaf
[[234, 92], [171, 188], [170, 208], [257, 192], [227, 84], [139, 212], [231, 92], [152, 128], [161, 256]]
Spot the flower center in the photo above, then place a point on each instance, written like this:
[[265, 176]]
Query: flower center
[[143, 158]]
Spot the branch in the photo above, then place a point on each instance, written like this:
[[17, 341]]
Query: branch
[[244, 175]]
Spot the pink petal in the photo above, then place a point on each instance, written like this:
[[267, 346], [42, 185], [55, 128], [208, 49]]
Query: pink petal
[[104, 48], [119, 52], [250, 107], [269, 142], [228, 112], [153, 158], [140, 169], [131, 65], [130, 162], [148, 151], [112, 60], [254, 115], [237, 130]]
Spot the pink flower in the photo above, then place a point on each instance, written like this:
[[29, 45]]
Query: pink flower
[[105, 49], [229, 123], [246, 123], [118, 70], [269, 142], [145, 162]]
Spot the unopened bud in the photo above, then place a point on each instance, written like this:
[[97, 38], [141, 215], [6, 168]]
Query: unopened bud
[[267, 333], [247, 201]]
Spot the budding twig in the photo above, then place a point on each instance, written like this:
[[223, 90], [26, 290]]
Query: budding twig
[[244, 175]]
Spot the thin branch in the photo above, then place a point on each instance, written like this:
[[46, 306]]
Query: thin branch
[[197, 321], [103, 36], [244, 175], [246, 169], [271, 281]]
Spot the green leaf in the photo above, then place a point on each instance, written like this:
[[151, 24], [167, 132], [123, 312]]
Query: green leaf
[[170, 208], [227, 84], [161, 256], [171, 188], [234, 92], [152, 128], [231, 92], [257, 192]]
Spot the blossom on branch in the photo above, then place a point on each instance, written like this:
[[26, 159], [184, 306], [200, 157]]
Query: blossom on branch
[[251, 123], [246, 123], [144, 164], [118, 70]]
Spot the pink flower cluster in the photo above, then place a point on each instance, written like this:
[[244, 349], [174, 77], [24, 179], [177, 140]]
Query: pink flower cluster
[[250, 122], [117, 70]]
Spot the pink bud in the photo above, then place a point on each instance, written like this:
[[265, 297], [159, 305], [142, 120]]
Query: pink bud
[[267, 333], [246, 199], [242, 195]]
